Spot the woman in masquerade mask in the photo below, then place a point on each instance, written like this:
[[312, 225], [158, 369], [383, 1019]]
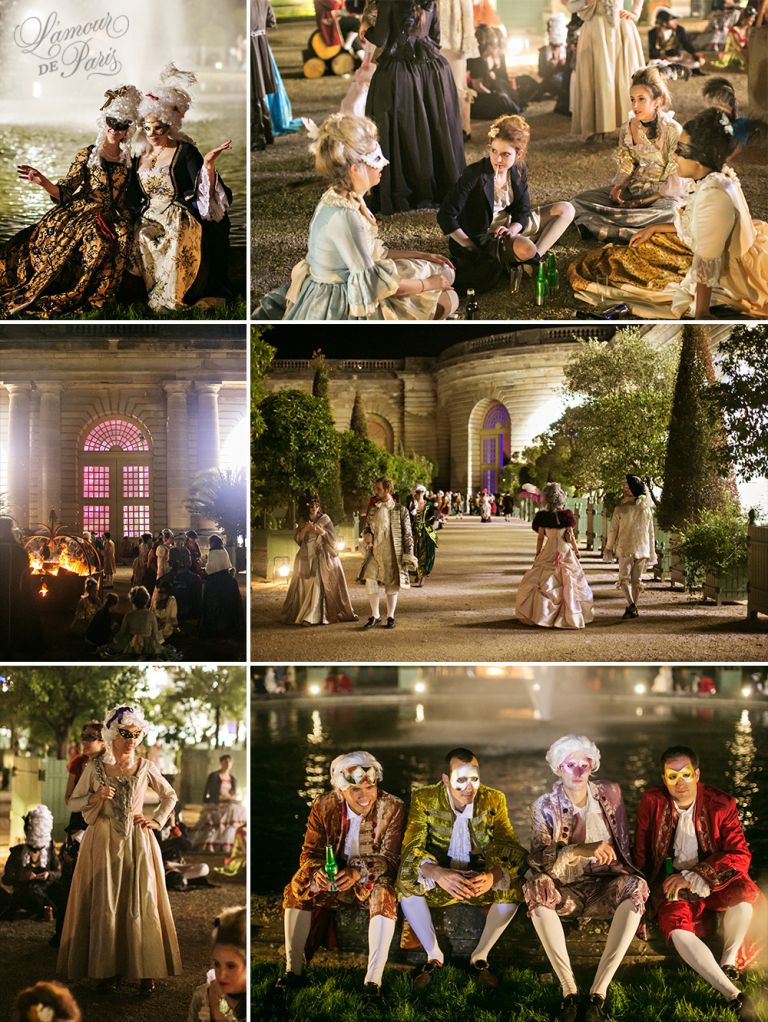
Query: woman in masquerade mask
[[73, 259], [182, 235], [348, 272], [713, 253], [118, 923]]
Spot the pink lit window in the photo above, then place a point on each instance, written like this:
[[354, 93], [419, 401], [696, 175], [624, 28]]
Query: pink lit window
[[95, 481], [136, 481], [116, 434], [135, 519], [96, 518]]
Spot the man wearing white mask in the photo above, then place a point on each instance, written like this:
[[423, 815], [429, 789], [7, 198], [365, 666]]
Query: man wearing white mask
[[363, 828], [459, 848]]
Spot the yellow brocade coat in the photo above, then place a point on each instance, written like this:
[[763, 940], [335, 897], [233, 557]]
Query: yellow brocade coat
[[428, 835]]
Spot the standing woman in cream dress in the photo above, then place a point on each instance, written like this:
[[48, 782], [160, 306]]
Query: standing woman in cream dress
[[119, 923], [608, 54]]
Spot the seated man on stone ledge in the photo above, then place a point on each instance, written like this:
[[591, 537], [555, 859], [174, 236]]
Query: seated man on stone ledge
[[363, 827], [459, 848], [692, 850]]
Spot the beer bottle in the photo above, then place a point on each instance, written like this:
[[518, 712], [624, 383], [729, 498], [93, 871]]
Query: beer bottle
[[472, 308], [330, 869], [553, 275], [541, 284]]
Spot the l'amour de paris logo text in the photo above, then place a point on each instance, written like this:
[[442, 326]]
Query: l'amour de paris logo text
[[85, 48]]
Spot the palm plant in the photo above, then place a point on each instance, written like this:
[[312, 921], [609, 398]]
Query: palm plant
[[221, 496]]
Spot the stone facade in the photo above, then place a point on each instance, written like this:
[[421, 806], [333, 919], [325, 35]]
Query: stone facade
[[183, 390]]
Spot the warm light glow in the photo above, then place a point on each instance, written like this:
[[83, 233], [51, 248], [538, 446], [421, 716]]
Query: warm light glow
[[420, 687], [640, 689], [234, 450], [638, 711], [283, 571], [314, 690], [59, 558], [43, 590], [419, 713], [340, 545], [495, 672], [747, 692]]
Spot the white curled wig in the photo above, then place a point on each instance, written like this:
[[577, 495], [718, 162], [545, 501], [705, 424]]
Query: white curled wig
[[570, 746], [348, 761], [38, 826], [122, 103], [117, 717], [168, 103], [557, 29]]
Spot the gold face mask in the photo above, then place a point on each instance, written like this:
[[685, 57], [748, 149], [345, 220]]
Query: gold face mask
[[687, 774]]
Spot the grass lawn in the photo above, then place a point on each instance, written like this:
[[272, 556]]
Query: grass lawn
[[641, 994]]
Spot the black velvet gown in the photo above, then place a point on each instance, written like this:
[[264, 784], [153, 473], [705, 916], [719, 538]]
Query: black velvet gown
[[412, 98]]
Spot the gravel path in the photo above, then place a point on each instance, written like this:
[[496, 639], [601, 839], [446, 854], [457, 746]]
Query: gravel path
[[465, 612], [285, 188]]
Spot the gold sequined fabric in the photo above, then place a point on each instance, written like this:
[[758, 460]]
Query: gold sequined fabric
[[659, 262]]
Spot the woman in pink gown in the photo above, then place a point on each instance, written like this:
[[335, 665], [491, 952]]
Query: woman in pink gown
[[554, 593]]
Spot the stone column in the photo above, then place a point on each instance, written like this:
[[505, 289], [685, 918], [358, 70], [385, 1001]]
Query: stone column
[[207, 425], [50, 449], [179, 475], [18, 452]]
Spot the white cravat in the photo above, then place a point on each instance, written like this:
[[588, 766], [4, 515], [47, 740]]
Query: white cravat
[[460, 848], [352, 841], [686, 850]]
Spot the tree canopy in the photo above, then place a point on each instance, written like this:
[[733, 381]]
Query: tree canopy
[[742, 397]]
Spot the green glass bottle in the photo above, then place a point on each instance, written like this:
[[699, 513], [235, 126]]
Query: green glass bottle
[[330, 868], [541, 284], [553, 275]]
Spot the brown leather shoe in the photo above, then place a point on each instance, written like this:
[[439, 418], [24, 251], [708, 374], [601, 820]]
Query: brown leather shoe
[[423, 976], [483, 971]]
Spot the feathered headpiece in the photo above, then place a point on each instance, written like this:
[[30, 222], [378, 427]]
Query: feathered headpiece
[[167, 103], [121, 105]]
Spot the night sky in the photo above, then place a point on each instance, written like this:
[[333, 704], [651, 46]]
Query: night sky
[[377, 340]]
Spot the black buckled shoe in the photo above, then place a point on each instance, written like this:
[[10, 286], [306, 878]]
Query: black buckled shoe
[[631, 611], [372, 993], [372, 622], [390, 623], [745, 1008], [595, 1009], [290, 981], [484, 974], [423, 975], [733, 974], [569, 1008]]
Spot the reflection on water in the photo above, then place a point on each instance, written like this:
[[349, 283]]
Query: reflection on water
[[51, 148], [293, 747]]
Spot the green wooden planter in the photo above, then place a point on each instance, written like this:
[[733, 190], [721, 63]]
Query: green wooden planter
[[730, 587]]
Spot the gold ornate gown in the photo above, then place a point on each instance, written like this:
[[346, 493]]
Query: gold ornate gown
[[73, 259], [717, 244]]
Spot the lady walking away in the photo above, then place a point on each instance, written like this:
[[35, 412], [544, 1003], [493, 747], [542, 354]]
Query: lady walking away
[[425, 524], [317, 593], [554, 592], [223, 613]]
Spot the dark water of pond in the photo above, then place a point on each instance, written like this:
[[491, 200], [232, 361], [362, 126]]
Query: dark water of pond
[[293, 745], [50, 148]]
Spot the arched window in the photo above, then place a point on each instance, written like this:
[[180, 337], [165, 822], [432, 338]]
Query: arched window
[[494, 445], [115, 478]]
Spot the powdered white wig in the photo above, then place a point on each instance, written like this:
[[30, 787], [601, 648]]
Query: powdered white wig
[[570, 747], [38, 826], [557, 29], [167, 103], [117, 717], [122, 104], [347, 762]]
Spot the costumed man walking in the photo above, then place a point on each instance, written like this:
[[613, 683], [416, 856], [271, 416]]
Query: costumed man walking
[[362, 826], [388, 539], [631, 539], [459, 848], [692, 850]]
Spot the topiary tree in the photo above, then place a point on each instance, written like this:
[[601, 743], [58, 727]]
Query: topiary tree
[[330, 492], [693, 480], [298, 450], [405, 473], [742, 398], [361, 462], [221, 497], [359, 423]]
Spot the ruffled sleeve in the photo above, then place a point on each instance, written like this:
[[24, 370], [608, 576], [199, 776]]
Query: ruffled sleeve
[[369, 282], [670, 183], [211, 203], [714, 216], [625, 161]]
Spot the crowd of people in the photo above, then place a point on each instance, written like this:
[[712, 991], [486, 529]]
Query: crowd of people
[[106, 886], [399, 544], [140, 208], [455, 844], [174, 588], [678, 237]]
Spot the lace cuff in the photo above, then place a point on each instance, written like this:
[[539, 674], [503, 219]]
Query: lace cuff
[[212, 204], [366, 289], [427, 883], [697, 884], [706, 271]]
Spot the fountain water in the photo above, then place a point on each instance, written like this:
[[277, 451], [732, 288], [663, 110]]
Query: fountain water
[[58, 57]]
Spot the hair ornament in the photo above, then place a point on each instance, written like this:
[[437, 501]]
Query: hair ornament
[[725, 123], [311, 128], [493, 132], [41, 1013]]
